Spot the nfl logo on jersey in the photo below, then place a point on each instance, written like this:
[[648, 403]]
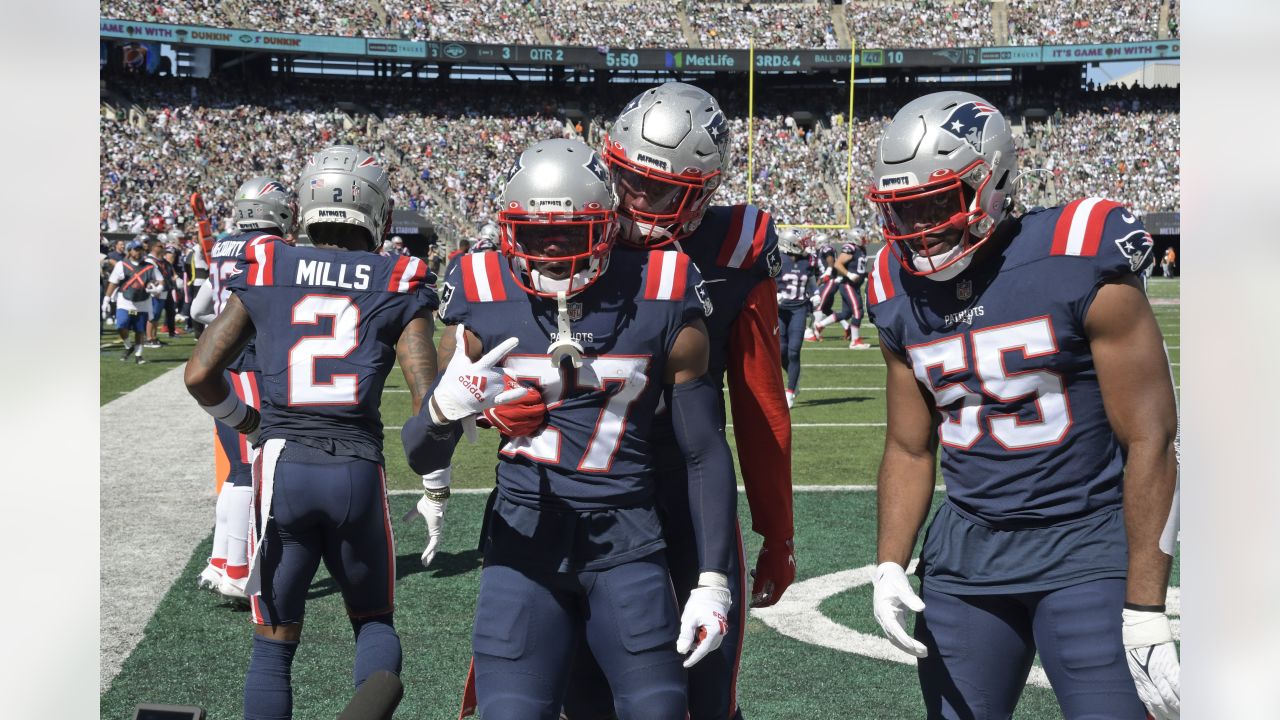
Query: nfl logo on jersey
[[575, 311], [964, 289]]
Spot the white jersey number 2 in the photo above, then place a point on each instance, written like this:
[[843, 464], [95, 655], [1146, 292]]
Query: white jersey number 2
[[342, 340], [1033, 338]]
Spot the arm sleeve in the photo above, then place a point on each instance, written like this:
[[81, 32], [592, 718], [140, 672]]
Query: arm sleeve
[[202, 305], [761, 421], [713, 498], [429, 447]]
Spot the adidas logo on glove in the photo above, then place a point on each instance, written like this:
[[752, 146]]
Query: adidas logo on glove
[[474, 384]]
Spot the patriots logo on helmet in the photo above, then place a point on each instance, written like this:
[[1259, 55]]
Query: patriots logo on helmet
[[272, 186], [596, 166], [1136, 246], [517, 167], [718, 128], [368, 162], [969, 121]]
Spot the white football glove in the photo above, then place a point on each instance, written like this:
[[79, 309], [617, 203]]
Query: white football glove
[[431, 506], [892, 598], [156, 290], [106, 307], [705, 619], [815, 301], [1153, 662], [469, 388]]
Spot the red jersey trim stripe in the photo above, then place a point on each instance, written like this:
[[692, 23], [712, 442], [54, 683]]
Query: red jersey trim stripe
[[482, 278], [745, 238], [880, 288], [407, 275], [262, 264], [1079, 228], [665, 275]]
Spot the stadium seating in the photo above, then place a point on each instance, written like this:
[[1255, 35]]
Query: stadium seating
[[710, 24], [448, 163]]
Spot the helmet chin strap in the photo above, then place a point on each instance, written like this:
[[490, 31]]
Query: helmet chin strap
[[637, 231], [564, 346], [959, 221]]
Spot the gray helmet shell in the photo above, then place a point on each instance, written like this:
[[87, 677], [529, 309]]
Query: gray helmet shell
[[264, 203], [676, 129], [555, 181], [344, 184], [946, 135], [789, 242]]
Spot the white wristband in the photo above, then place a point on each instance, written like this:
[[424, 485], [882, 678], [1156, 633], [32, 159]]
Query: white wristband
[[231, 411], [713, 579]]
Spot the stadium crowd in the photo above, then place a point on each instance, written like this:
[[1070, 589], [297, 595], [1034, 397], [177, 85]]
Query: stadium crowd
[[655, 23], [448, 163], [919, 23], [771, 25]]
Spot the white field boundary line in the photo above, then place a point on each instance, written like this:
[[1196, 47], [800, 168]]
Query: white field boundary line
[[156, 506], [741, 489]]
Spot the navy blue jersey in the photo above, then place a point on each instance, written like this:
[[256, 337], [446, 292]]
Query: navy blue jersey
[[858, 264], [826, 256], [735, 248], [595, 451], [1002, 347], [795, 280], [223, 258], [327, 324]]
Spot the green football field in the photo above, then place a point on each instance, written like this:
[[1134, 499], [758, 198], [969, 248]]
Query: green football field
[[195, 649]]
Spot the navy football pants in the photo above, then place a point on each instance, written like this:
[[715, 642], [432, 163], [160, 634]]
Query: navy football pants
[[331, 512], [791, 338], [713, 681], [981, 648], [527, 629], [851, 307]]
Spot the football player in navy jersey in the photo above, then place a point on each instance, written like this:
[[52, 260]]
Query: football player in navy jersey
[[851, 268], [334, 319], [1025, 346], [796, 282], [264, 211], [830, 284], [668, 151], [573, 544]]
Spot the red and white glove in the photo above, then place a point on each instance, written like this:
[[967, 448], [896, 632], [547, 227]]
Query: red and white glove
[[705, 619], [467, 388], [775, 571], [521, 417]]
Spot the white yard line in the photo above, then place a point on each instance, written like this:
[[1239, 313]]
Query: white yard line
[[156, 505]]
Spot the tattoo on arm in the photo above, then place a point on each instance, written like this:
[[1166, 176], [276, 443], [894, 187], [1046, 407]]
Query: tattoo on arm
[[219, 345], [417, 357]]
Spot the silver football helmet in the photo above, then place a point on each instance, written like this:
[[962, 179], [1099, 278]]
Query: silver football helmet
[[345, 185], [943, 181], [853, 237], [264, 203], [488, 240], [668, 150], [789, 242], [557, 221]]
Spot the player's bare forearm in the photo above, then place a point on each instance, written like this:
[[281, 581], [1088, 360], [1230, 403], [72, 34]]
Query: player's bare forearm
[[111, 290], [690, 354], [904, 486], [1137, 392], [219, 346], [761, 421], [417, 357], [449, 344]]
